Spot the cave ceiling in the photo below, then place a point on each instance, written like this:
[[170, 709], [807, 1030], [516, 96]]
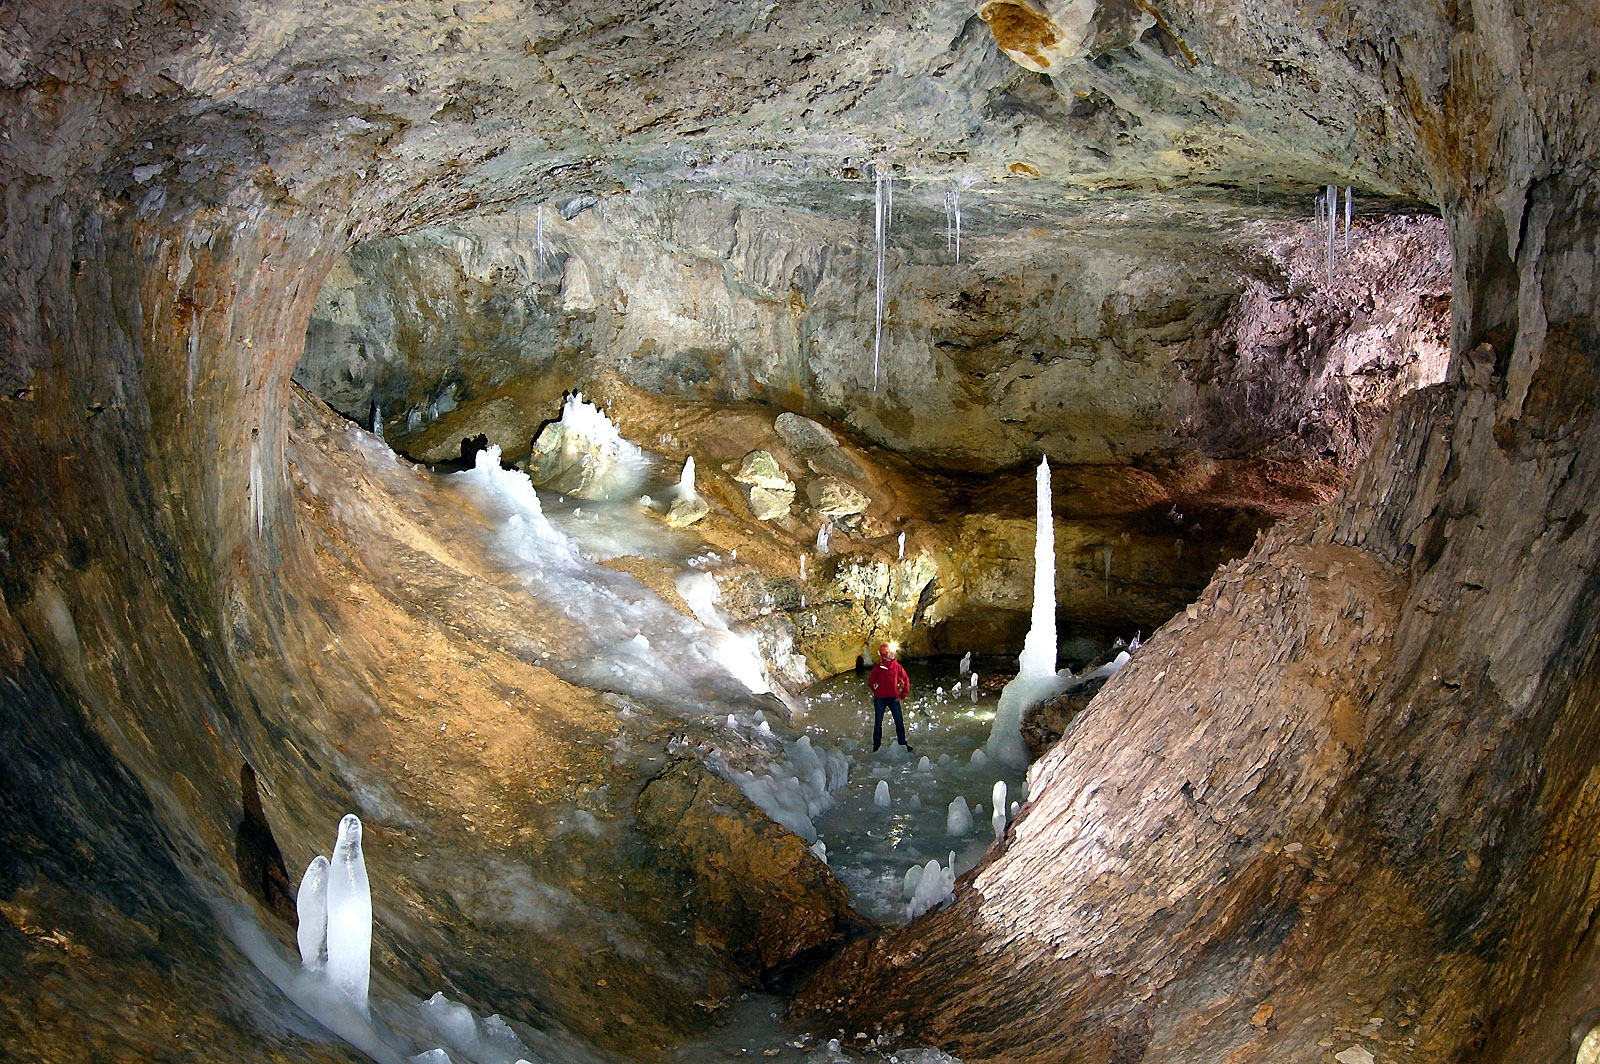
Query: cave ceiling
[[1183, 118]]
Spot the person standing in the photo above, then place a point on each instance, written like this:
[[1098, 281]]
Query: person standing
[[888, 683]]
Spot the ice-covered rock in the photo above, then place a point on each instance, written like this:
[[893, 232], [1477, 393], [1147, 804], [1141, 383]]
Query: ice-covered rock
[[584, 455]]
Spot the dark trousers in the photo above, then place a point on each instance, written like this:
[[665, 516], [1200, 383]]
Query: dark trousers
[[893, 706]]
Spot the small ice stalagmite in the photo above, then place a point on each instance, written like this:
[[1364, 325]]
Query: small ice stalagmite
[[349, 915], [966, 663], [311, 907], [880, 797], [377, 421], [958, 819], [998, 820], [686, 479], [902, 545], [824, 536]]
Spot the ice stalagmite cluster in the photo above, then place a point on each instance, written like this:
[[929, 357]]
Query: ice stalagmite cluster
[[927, 886], [334, 907]]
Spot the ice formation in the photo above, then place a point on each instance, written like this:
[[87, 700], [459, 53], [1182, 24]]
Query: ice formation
[[794, 790], [952, 221], [880, 228], [377, 421], [1036, 677], [1333, 223], [934, 885], [958, 820], [824, 536], [880, 797], [311, 909], [487, 1041], [686, 479], [902, 541], [966, 663], [349, 914], [998, 819], [1348, 210]]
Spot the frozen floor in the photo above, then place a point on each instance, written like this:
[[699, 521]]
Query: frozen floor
[[871, 847]]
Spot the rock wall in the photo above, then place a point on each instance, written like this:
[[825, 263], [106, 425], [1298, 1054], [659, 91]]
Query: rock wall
[[1106, 344]]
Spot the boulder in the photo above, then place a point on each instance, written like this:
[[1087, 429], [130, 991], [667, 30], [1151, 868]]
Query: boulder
[[835, 498], [760, 894], [769, 504], [583, 455], [760, 470], [686, 510], [768, 488], [817, 446]]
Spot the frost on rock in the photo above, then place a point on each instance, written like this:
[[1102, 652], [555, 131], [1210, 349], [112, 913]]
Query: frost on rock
[[794, 790]]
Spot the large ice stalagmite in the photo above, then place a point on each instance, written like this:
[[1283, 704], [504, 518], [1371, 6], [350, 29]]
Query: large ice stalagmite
[[311, 908], [349, 914], [1036, 677]]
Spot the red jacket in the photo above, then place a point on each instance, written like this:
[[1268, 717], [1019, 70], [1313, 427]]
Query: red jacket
[[888, 679]]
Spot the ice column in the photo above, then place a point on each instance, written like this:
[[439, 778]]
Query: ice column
[[311, 907], [1036, 667], [538, 232], [349, 914]]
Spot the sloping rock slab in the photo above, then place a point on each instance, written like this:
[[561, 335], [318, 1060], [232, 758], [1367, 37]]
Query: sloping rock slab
[[761, 894]]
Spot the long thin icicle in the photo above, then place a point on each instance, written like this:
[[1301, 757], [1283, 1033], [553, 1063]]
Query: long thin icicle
[[1347, 212], [1333, 223], [880, 226]]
